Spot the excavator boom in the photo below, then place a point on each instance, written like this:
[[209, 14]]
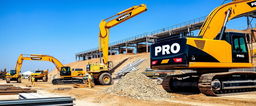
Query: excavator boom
[[101, 72], [112, 21], [216, 19], [40, 57], [36, 57]]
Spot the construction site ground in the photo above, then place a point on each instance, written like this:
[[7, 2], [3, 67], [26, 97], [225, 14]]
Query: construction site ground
[[96, 97]]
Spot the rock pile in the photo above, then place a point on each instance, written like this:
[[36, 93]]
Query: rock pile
[[137, 85]]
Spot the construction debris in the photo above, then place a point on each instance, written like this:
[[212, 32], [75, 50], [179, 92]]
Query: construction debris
[[8, 89], [137, 85]]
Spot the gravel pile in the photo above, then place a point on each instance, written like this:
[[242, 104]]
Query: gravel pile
[[137, 85]]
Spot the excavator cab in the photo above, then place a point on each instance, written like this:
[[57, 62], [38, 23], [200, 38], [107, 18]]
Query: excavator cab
[[13, 76], [65, 71], [12, 72], [239, 43]]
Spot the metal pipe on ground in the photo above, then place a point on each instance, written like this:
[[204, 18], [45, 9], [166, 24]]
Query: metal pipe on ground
[[53, 101]]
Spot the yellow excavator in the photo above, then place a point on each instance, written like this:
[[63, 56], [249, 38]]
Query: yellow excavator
[[40, 75], [212, 62], [66, 74], [102, 71]]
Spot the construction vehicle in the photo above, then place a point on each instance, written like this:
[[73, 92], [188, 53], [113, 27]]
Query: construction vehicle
[[2, 74], [214, 58], [40, 75], [101, 71], [66, 74]]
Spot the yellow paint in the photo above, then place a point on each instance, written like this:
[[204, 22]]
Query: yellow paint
[[219, 65], [165, 61], [219, 49]]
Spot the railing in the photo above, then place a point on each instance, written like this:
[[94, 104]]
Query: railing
[[149, 34]]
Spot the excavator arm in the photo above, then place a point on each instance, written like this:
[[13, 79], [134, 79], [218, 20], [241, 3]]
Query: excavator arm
[[217, 19], [37, 57], [112, 21]]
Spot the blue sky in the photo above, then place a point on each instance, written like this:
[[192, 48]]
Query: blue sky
[[61, 28]]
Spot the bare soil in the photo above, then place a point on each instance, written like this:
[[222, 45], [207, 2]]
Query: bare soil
[[97, 97]]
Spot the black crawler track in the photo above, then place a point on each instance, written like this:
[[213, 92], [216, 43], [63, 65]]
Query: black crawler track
[[60, 81], [230, 82], [206, 88]]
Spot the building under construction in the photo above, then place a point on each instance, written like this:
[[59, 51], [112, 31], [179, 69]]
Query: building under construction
[[141, 43]]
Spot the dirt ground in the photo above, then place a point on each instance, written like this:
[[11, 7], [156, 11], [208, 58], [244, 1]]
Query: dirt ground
[[96, 97]]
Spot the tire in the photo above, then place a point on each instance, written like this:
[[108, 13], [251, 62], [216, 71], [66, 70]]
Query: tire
[[8, 80], [36, 79], [105, 79], [19, 80]]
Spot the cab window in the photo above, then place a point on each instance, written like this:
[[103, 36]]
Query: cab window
[[239, 44]]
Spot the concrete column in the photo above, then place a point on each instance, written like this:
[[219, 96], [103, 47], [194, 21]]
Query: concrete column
[[126, 48], [147, 44], [137, 46], [189, 31], [119, 50]]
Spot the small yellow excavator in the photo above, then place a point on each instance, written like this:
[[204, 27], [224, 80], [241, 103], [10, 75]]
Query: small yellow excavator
[[101, 72], [216, 58], [67, 75], [40, 75]]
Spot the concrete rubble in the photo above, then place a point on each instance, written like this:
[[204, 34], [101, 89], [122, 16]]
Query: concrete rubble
[[136, 85]]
